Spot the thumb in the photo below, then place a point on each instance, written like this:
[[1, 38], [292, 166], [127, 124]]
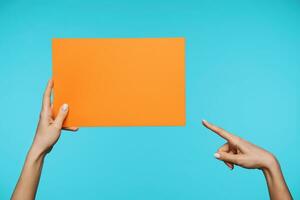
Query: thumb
[[228, 157], [62, 114]]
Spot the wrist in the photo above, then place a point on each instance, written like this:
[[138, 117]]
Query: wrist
[[270, 163], [271, 167], [35, 154]]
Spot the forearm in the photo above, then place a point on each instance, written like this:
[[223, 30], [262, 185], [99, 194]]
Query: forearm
[[277, 186], [28, 182]]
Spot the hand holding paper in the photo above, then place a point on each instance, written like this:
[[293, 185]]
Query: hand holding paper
[[238, 151], [47, 134]]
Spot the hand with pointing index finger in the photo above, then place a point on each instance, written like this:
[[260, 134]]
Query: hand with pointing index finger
[[237, 151]]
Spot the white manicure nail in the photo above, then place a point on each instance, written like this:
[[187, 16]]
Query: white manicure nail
[[217, 155], [204, 121], [65, 107]]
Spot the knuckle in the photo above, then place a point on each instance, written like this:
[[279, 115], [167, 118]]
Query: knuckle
[[56, 126], [43, 114], [239, 139], [239, 162], [236, 161]]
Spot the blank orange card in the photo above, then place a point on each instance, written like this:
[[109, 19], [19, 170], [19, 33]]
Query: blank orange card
[[120, 82]]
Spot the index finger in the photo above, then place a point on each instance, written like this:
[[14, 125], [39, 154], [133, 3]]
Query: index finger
[[47, 95], [221, 132]]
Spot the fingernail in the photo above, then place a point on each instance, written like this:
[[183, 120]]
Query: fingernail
[[204, 121], [65, 107], [229, 167], [217, 155]]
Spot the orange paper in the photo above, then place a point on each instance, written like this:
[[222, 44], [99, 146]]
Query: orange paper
[[120, 82]]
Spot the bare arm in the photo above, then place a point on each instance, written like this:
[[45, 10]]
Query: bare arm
[[47, 134], [245, 154], [277, 186]]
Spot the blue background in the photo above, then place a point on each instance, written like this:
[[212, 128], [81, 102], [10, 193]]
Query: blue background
[[242, 72]]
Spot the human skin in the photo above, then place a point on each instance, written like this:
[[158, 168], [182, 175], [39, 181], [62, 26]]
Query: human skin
[[47, 134], [237, 151]]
